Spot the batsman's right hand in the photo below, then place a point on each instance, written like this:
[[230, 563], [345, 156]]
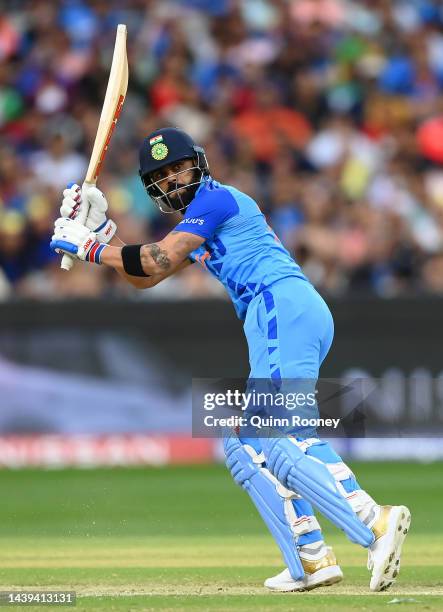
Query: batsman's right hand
[[96, 220]]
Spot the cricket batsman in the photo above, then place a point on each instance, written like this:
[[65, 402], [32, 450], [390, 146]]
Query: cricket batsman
[[289, 330]]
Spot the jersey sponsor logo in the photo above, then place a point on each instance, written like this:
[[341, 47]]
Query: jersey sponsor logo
[[193, 220]]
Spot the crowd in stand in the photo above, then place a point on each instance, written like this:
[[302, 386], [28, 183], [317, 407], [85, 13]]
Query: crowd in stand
[[313, 107]]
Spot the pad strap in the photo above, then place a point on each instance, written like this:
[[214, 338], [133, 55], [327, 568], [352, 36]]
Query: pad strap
[[363, 504], [303, 524]]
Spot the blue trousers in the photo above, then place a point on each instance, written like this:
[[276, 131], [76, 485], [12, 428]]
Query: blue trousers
[[289, 330]]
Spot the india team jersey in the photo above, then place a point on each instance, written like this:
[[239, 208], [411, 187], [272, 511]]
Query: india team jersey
[[240, 248]]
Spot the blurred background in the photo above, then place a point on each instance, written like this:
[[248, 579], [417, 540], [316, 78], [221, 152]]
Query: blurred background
[[328, 112]]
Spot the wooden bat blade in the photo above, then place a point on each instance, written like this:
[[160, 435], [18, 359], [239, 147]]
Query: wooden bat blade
[[112, 106]]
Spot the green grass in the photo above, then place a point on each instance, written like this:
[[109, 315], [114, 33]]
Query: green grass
[[189, 539]]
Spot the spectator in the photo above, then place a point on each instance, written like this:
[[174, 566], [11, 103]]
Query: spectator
[[311, 106]]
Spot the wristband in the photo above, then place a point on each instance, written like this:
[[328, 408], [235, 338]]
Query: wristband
[[132, 264], [95, 252]]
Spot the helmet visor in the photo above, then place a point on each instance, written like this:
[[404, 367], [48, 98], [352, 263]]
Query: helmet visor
[[178, 195]]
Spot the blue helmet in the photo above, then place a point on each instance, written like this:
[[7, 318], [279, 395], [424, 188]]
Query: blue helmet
[[161, 148]]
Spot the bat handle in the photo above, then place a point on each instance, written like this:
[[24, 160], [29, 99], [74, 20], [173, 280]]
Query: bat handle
[[68, 261]]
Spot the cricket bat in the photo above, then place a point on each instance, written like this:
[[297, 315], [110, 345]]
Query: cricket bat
[[112, 106]]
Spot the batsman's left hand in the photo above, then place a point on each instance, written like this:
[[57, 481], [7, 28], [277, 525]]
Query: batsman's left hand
[[77, 240]]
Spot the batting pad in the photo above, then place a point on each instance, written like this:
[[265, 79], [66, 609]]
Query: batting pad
[[269, 503], [313, 481]]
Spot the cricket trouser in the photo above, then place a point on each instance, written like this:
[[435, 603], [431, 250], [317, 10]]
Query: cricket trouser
[[289, 330]]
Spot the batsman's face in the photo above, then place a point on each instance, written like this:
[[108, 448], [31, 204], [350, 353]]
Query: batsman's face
[[174, 176]]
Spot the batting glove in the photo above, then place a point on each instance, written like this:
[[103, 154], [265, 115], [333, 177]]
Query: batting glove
[[96, 220], [75, 239]]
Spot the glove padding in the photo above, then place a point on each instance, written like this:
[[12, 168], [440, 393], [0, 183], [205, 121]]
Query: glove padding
[[96, 220], [77, 240]]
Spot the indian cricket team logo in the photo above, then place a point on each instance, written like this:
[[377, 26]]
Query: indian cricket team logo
[[159, 150]]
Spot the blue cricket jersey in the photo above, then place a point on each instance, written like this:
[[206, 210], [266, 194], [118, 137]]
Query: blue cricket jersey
[[240, 248]]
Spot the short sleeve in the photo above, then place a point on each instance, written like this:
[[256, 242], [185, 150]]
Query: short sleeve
[[208, 212]]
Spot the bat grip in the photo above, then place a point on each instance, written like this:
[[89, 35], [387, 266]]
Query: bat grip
[[67, 260]]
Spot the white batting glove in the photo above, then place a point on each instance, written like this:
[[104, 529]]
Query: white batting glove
[[96, 220], [76, 239]]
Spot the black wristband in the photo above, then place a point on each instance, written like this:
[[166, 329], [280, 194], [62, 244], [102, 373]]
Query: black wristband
[[131, 260]]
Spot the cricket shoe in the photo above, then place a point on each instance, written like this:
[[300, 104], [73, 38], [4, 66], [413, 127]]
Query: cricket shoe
[[320, 567], [390, 530]]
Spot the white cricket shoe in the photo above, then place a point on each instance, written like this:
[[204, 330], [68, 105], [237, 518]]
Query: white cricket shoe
[[320, 567], [390, 530]]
